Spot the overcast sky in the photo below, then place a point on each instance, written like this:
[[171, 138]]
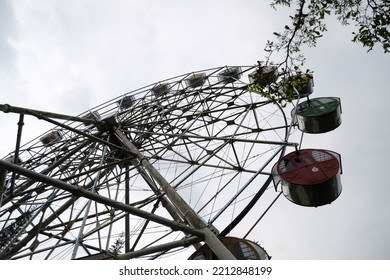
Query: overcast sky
[[69, 56]]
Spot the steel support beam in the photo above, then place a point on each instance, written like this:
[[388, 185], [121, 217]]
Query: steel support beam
[[185, 210], [17, 148], [3, 178], [80, 192], [155, 249], [127, 201], [6, 108]]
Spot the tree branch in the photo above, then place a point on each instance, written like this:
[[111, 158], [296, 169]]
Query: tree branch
[[297, 26]]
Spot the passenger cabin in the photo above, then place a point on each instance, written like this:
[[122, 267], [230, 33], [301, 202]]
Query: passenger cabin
[[298, 86], [196, 80], [309, 177], [318, 115], [160, 89], [51, 138], [230, 75], [242, 249], [264, 76], [126, 102]]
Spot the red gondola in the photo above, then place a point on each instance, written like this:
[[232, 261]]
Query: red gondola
[[309, 177]]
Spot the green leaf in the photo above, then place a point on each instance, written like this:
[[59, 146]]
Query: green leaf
[[312, 21]]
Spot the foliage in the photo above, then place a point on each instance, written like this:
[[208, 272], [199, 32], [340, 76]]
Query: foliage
[[280, 87], [118, 245], [7, 234], [299, 82], [371, 19]]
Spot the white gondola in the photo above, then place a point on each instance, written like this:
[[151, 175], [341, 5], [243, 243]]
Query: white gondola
[[160, 89], [196, 80], [126, 102], [230, 75], [51, 138]]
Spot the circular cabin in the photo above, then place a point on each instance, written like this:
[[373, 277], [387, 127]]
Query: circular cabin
[[319, 115], [230, 75], [160, 89], [126, 102], [51, 138], [309, 177], [196, 80], [242, 249], [303, 84], [264, 76]]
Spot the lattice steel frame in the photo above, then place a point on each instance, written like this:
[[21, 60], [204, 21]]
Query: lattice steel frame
[[211, 140]]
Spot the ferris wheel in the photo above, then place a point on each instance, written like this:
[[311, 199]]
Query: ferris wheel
[[172, 167]]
